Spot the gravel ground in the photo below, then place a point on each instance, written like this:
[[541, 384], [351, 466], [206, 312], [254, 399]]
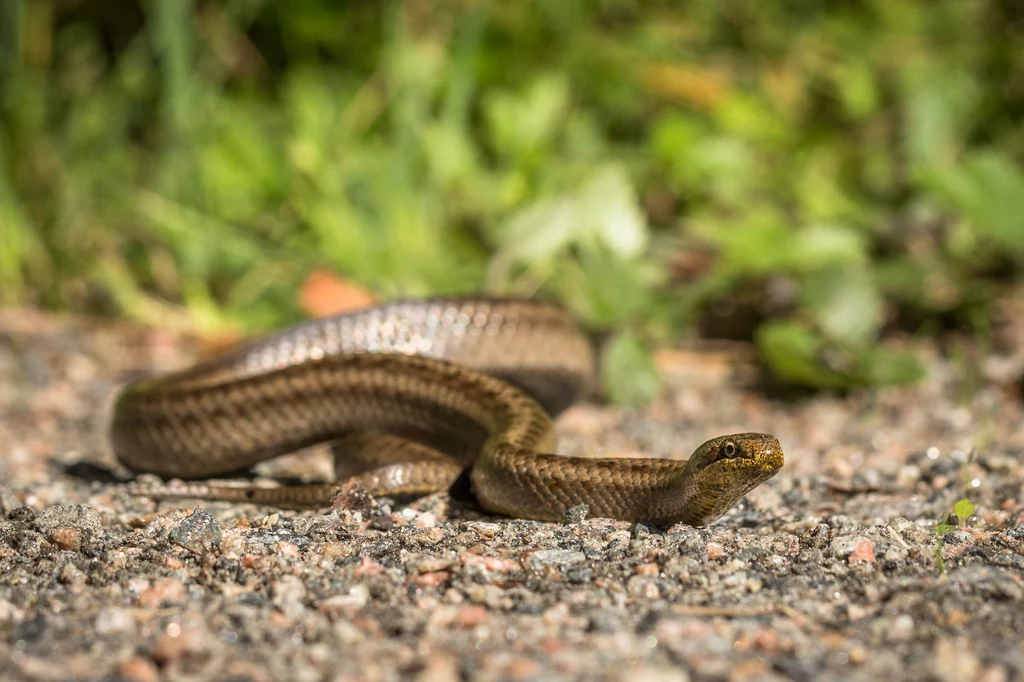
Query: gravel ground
[[829, 571]]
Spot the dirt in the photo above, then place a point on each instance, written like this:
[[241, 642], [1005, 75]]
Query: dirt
[[832, 570]]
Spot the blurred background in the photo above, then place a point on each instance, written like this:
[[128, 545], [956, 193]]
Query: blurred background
[[838, 184]]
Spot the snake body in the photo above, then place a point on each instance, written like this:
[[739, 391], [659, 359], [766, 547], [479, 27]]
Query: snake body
[[412, 392]]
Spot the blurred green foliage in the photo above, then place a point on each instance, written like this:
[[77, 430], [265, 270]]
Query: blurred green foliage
[[824, 178]]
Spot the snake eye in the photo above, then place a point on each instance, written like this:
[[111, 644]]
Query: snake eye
[[729, 449]]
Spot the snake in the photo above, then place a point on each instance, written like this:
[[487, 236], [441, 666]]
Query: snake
[[414, 394]]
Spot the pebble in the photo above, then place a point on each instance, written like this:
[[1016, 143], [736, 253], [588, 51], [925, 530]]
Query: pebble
[[576, 514], [645, 673], [864, 552], [114, 621], [180, 642], [164, 592], [843, 546], [199, 532], [901, 628], [958, 537], [287, 594], [954, 661], [138, 669], [345, 604], [558, 558], [714, 551], [68, 526]]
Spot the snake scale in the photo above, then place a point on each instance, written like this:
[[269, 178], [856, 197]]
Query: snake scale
[[411, 393]]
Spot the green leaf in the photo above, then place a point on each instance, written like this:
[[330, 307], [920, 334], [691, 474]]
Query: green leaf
[[941, 100], [603, 214], [701, 163], [858, 91], [627, 371], [988, 189], [541, 230], [846, 305], [828, 246], [760, 242], [750, 117], [886, 367], [607, 291], [963, 508], [796, 354], [521, 124], [609, 212], [792, 352], [449, 153]]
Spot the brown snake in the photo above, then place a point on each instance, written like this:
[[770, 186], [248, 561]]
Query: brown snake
[[412, 392]]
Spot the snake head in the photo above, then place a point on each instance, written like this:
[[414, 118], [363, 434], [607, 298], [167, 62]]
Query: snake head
[[742, 451], [726, 468]]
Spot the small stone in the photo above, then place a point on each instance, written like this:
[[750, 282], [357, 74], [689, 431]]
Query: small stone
[[337, 550], [440, 669], [521, 669], [767, 640], [345, 604], [491, 564], [233, 545], [994, 673], [198, 533], [843, 546], [471, 616], [954, 660], [9, 613], [786, 544], [425, 520], [69, 526], [288, 549], [432, 564], [435, 579], [556, 557], [382, 522], [367, 566], [164, 591], [71, 575], [113, 621], [957, 618], [180, 642], [911, 532], [353, 497], [428, 537], [714, 550], [66, 538], [895, 553], [645, 588], [576, 514], [645, 673], [138, 669], [958, 537], [864, 552], [287, 593], [491, 596], [901, 628], [485, 530]]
